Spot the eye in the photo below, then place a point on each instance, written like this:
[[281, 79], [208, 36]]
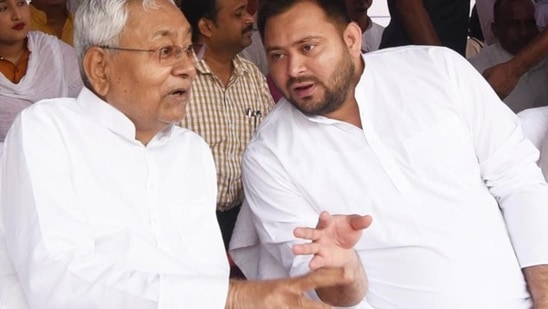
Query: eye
[[308, 47], [276, 56], [3, 9], [166, 52]]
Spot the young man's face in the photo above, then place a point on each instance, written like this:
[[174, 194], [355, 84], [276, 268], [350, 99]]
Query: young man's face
[[309, 58]]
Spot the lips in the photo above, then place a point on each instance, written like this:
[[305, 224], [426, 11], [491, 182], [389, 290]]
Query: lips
[[303, 89], [19, 26]]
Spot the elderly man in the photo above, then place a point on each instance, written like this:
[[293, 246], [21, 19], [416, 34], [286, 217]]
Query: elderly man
[[515, 27], [412, 136], [105, 203]]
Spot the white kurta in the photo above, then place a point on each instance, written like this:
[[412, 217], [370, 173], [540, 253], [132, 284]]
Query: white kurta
[[531, 90], [437, 155], [94, 219], [371, 38]]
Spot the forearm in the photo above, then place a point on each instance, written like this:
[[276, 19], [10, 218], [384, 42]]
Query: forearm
[[530, 55], [416, 22], [537, 282], [351, 293]]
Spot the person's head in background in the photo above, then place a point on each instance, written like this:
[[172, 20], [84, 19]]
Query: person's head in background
[[138, 57], [225, 26], [514, 24], [357, 9], [314, 53], [14, 27]]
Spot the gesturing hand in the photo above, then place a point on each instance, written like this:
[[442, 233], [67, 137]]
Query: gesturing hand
[[333, 239]]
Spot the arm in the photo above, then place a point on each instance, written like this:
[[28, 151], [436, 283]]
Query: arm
[[504, 77], [537, 282], [332, 245], [62, 261], [416, 22], [284, 293], [508, 167], [278, 208]]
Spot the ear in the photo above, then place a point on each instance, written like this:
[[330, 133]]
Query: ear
[[206, 26], [352, 36], [95, 66]]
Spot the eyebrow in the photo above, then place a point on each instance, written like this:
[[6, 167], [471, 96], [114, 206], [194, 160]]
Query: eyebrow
[[299, 42], [162, 33]]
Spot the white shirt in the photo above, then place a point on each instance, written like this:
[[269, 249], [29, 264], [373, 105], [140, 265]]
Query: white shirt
[[437, 151], [531, 90], [94, 219], [371, 38]]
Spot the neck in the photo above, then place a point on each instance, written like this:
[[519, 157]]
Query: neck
[[12, 52], [220, 63]]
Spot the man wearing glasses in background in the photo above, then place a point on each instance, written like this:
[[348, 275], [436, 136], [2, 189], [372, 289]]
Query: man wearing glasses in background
[[105, 203]]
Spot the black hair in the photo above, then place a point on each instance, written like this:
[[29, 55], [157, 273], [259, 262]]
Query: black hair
[[335, 10], [194, 10]]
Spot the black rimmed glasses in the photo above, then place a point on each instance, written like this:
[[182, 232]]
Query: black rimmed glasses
[[169, 55]]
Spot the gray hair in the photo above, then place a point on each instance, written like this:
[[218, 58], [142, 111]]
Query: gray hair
[[101, 23]]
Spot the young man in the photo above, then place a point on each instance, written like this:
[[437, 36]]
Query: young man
[[413, 137], [106, 203]]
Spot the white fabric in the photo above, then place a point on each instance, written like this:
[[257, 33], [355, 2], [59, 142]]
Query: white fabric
[[372, 37], [52, 72], [534, 122], [541, 14], [437, 151], [531, 90], [94, 219]]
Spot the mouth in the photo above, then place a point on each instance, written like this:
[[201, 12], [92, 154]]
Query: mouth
[[19, 26], [302, 90], [180, 94]]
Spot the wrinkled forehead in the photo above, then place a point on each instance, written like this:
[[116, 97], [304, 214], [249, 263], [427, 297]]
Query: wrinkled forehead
[[164, 20]]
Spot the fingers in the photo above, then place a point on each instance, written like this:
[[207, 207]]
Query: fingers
[[321, 278], [306, 249], [307, 233], [358, 222]]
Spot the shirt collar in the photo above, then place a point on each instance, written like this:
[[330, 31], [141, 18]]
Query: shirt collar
[[114, 120], [239, 68]]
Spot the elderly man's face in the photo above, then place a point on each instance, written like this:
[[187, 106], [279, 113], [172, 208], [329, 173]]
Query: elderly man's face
[[150, 92]]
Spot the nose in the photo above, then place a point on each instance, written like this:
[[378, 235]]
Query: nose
[[249, 19], [295, 65], [185, 68], [15, 13]]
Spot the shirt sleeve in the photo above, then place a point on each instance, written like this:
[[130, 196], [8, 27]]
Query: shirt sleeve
[[53, 248], [277, 209], [508, 163]]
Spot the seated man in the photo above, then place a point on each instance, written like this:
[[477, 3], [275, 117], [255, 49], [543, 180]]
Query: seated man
[[514, 26], [105, 203], [412, 136]]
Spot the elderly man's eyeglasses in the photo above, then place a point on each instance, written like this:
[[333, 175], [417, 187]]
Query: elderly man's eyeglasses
[[169, 55]]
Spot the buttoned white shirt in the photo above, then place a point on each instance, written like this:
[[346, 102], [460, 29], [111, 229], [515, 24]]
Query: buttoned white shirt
[[92, 218], [459, 205]]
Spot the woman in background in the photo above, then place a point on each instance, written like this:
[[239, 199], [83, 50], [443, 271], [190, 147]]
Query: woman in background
[[33, 65]]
